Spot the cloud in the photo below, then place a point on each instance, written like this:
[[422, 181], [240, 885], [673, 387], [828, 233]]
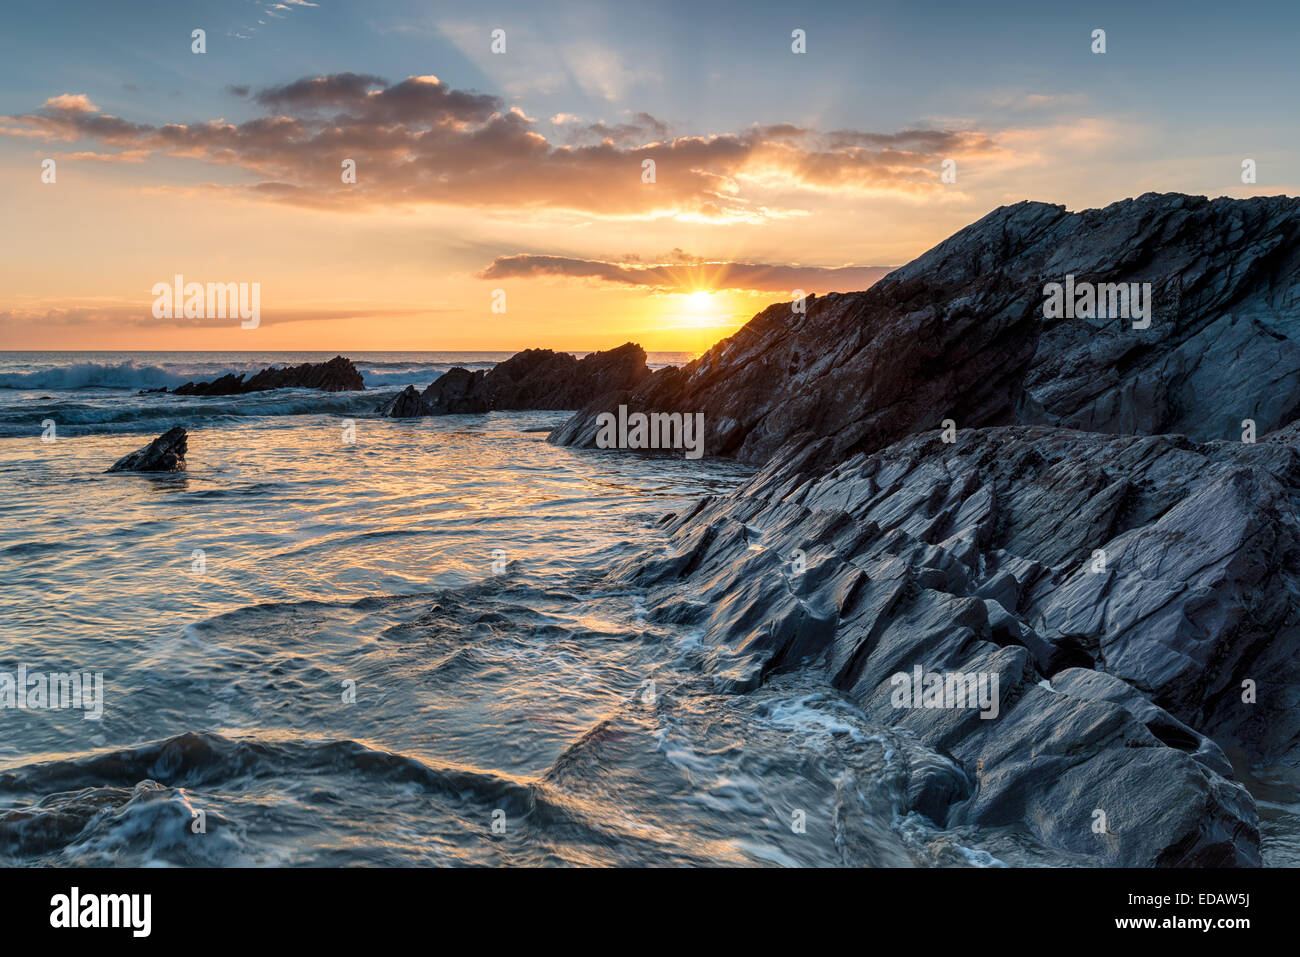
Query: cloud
[[276, 10], [71, 103], [421, 141], [686, 273], [640, 130], [127, 156], [140, 314]]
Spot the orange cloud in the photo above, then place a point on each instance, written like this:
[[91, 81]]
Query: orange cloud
[[71, 103], [420, 141]]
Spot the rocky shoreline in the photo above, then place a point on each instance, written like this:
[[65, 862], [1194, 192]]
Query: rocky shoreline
[[929, 499], [1095, 519]]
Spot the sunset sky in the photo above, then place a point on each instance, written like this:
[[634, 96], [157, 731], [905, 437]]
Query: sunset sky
[[522, 171]]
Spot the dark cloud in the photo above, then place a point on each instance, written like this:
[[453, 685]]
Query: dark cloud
[[316, 91], [685, 273], [923, 141], [640, 130]]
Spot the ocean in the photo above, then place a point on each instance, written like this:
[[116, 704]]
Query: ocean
[[338, 640]]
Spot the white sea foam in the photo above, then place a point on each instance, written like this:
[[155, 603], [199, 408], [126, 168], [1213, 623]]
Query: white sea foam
[[98, 375]]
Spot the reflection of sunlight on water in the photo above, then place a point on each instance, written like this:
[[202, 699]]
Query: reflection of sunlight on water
[[291, 513], [101, 572], [532, 688]]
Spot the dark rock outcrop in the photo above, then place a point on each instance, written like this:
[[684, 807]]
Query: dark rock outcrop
[[406, 404], [456, 391], [337, 375], [959, 334], [164, 454], [1122, 589], [1224, 339], [862, 368], [542, 379], [532, 379], [1136, 596]]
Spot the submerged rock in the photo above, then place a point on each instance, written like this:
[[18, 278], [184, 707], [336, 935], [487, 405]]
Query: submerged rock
[[337, 375], [164, 454]]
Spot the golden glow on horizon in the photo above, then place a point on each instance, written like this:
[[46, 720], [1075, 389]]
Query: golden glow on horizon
[[95, 243], [703, 310]]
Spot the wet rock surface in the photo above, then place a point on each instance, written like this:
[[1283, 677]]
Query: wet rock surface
[[1116, 674], [164, 454], [1091, 536], [456, 391]]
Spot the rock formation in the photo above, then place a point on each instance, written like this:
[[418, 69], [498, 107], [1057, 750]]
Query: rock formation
[[959, 334], [864, 368], [532, 379], [455, 391], [406, 404], [1224, 340], [337, 375], [1134, 588], [1123, 588], [164, 454]]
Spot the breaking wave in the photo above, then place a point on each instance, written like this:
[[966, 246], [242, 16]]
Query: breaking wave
[[99, 375]]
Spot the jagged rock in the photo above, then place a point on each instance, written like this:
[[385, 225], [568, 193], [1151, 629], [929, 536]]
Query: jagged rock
[[979, 557], [228, 384], [337, 375], [456, 391], [959, 333], [535, 379], [164, 454], [542, 379], [862, 368], [405, 404], [1224, 341], [1136, 596]]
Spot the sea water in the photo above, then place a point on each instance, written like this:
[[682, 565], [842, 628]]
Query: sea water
[[394, 647]]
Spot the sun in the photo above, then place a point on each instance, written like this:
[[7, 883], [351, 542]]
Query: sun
[[700, 310]]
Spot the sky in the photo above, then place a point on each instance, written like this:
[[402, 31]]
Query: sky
[[501, 197]]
